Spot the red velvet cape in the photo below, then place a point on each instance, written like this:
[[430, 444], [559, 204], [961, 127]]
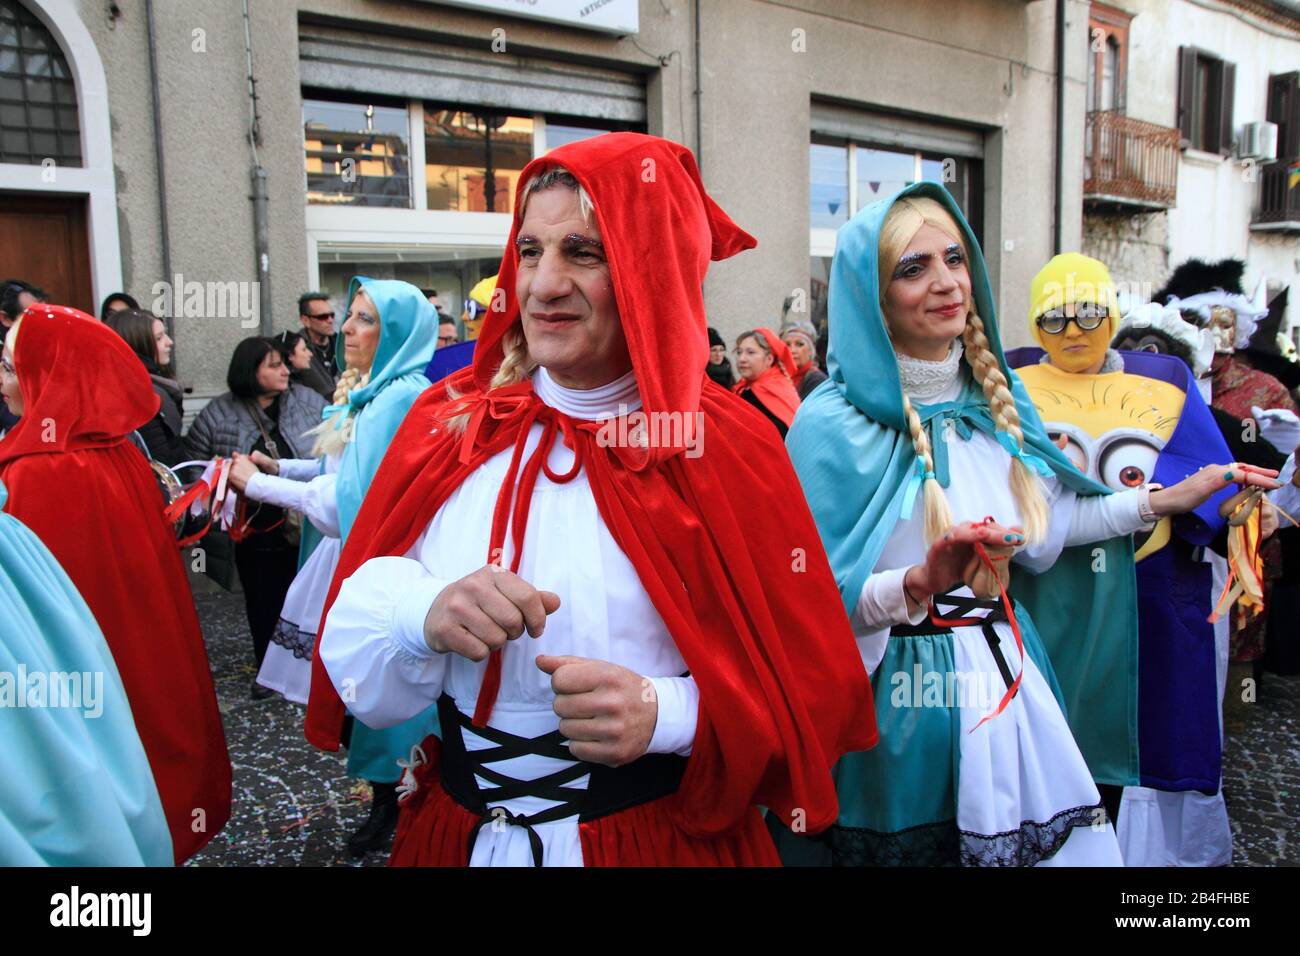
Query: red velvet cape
[[88, 494], [775, 387], [723, 542]]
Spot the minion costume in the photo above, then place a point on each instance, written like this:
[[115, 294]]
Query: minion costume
[[1141, 419], [944, 785]]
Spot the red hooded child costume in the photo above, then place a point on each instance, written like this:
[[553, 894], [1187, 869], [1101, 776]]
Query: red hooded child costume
[[76, 480], [775, 388], [782, 690]]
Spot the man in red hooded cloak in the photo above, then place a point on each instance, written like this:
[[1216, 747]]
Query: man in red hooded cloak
[[77, 481], [687, 658]]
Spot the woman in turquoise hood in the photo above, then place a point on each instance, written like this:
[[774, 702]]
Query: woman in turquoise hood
[[937, 493], [925, 473], [388, 339]]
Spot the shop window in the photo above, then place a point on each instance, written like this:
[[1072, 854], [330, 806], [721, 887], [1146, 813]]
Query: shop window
[[828, 191], [559, 134], [38, 99], [1205, 90], [356, 153], [472, 159], [878, 173]]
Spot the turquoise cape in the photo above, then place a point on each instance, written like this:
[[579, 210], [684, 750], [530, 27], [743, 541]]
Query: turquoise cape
[[408, 336], [75, 785], [854, 457]]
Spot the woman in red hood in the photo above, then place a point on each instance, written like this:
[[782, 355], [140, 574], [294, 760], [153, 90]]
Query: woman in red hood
[[766, 370], [688, 659], [77, 481]]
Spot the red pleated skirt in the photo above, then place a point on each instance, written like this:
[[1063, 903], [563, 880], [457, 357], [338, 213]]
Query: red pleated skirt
[[434, 830]]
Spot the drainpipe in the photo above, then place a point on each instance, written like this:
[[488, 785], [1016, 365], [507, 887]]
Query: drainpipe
[[699, 124], [261, 225], [162, 173], [1058, 239]]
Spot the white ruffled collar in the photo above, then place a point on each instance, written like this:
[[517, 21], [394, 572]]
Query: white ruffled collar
[[618, 397], [926, 381]]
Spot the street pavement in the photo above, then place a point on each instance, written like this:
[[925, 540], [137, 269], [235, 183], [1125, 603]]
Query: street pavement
[[295, 805]]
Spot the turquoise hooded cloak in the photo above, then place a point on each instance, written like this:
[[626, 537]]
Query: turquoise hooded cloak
[[408, 336], [853, 454], [75, 785]]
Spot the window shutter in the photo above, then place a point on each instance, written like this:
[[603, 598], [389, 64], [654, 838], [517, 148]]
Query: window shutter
[[1186, 89], [1284, 110], [1227, 87]]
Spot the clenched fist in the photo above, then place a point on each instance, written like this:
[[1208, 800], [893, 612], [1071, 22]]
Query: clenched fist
[[607, 712], [477, 614]]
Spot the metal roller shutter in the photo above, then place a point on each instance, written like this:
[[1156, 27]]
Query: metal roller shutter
[[338, 58]]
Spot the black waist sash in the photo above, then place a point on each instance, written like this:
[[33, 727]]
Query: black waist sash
[[609, 789], [963, 604]]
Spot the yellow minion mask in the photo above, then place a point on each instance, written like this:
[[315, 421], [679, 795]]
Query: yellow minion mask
[[476, 306], [1068, 285]]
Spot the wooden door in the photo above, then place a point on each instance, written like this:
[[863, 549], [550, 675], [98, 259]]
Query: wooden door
[[43, 240]]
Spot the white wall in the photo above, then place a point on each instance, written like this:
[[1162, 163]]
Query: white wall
[[1216, 197]]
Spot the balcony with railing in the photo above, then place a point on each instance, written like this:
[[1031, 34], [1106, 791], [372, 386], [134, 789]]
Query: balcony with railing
[[1129, 162], [1279, 201]]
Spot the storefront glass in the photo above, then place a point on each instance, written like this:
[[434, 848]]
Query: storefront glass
[[356, 154], [472, 160]]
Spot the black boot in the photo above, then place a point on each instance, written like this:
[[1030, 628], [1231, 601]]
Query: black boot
[[378, 829]]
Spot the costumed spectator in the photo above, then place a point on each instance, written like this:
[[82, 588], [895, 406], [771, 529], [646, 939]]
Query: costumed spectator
[[801, 339], [719, 367], [477, 305], [978, 766], [265, 412], [1128, 419], [78, 483], [612, 554], [97, 804], [316, 313], [387, 340], [147, 336], [296, 354], [1281, 429], [116, 302], [1213, 293], [765, 367]]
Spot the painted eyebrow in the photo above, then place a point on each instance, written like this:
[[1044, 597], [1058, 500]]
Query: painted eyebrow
[[568, 242], [910, 259]]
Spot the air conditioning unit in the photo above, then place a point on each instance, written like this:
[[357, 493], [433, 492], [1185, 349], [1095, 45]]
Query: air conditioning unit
[[1258, 141]]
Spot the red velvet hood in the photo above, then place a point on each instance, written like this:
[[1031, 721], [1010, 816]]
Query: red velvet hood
[[666, 229], [82, 385]]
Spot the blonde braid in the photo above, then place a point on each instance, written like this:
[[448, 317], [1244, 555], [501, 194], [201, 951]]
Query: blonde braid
[[938, 516], [1025, 486], [332, 435], [516, 366]]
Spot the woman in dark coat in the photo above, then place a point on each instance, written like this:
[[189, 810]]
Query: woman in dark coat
[[263, 411], [147, 336]]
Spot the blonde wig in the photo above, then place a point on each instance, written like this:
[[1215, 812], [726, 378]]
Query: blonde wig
[[904, 219]]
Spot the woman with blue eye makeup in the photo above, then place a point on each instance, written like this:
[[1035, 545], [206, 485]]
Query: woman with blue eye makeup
[[927, 472], [965, 544], [388, 338]]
